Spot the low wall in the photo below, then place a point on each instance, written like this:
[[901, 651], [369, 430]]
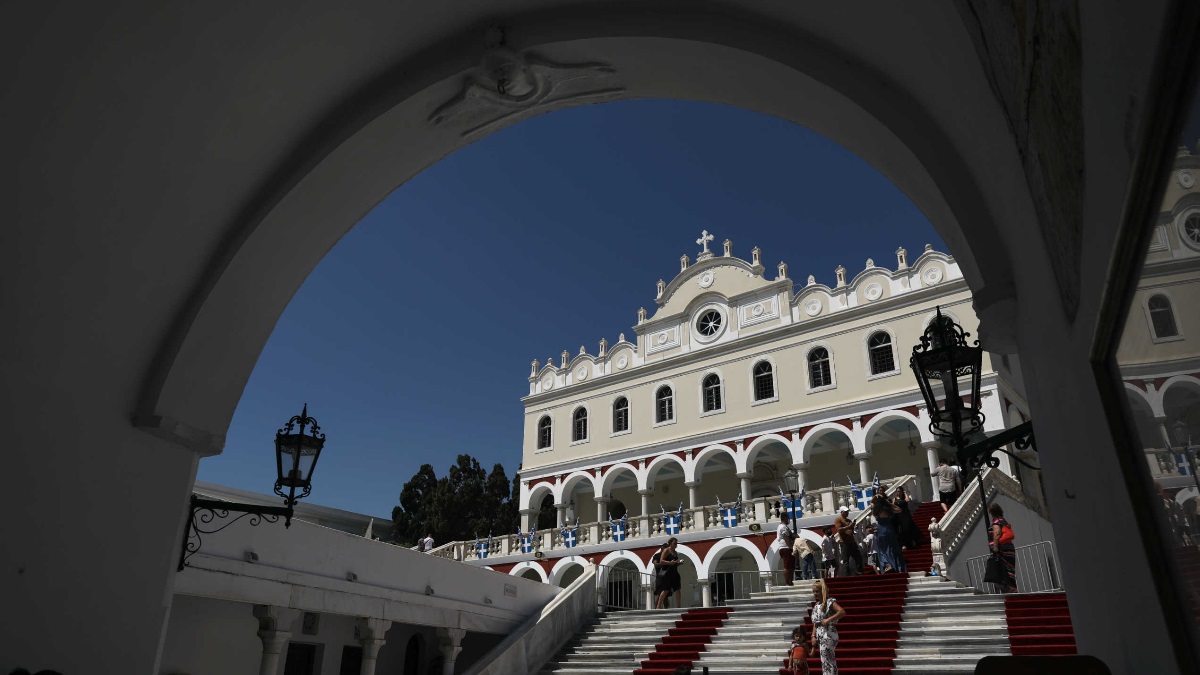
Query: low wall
[[1029, 527], [540, 638]]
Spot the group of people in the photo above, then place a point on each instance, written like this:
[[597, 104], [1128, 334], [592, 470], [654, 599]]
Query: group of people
[[841, 552], [826, 612]]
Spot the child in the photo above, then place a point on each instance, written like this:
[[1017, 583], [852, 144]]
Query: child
[[798, 652]]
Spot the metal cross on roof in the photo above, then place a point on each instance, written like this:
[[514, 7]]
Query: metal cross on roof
[[705, 237]]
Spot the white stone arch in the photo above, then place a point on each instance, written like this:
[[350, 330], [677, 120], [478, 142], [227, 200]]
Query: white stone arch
[[1182, 381], [519, 570], [536, 493], [745, 462], [866, 351], [606, 482], [699, 459], [646, 480], [815, 433], [1153, 401], [610, 561], [719, 549], [883, 418], [772, 556], [571, 481], [684, 549], [1186, 494], [560, 568]]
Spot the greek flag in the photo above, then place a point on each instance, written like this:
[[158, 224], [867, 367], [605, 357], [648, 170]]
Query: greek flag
[[794, 508], [1182, 464], [863, 497], [729, 515], [570, 537], [526, 541], [875, 483], [671, 521], [481, 547], [618, 527]]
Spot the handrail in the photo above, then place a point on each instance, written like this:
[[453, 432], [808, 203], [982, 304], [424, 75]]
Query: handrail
[[956, 524], [1037, 567]]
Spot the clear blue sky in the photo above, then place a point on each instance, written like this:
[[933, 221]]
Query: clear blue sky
[[411, 341]]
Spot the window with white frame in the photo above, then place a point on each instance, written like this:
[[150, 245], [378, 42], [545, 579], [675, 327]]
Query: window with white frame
[[1162, 317], [579, 425], [820, 374], [879, 349], [711, 388], [764, 381], [621, 415], [664, 404], [544, 429]]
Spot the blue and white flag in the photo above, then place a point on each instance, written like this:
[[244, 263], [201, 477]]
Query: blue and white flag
[[875, 483], [526, 541], [570, 537], [482, 547], [794, 508], [672, 521], [1182, 464], [729, 515], [618, 527], [863, 497]]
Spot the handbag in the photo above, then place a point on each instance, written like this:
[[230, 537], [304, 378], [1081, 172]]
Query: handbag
[[994, 572]]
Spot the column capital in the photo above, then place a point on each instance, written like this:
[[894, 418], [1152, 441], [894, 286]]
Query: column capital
[[367, 628], [602, 500], [529, 512], [703, 582], [746, 474], [692, 483], [932, 445], [646, 492]]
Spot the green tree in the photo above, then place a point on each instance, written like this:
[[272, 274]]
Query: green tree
[[465, 503]]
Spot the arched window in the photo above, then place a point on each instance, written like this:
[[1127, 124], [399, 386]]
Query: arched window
[[664, 405], [544, 432], [764, 381], [712, 392], [579, 425], [879, 348], [819, 372], [621, 415], [1162, 317]]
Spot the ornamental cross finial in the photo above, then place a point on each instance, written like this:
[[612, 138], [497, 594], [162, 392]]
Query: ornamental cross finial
[[705, 237]]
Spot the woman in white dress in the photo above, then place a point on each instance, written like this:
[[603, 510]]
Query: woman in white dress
[[825, 615]]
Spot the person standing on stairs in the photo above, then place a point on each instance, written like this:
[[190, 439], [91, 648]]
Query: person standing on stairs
[[906, 527], [825, 615], [829, 552], [805, 551], [851, 556], [785, 537], [666, 574], [947, 482], [1000, 541], [799, 651], [887, 540]]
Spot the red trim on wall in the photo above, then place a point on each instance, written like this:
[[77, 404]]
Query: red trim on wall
[[868, 417], [745, 442], [846, 423], [912, 410]]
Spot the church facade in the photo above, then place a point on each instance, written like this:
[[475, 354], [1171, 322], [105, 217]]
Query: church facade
[[737, 376]]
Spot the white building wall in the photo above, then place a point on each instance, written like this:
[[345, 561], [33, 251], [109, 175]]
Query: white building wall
[[211, 637]]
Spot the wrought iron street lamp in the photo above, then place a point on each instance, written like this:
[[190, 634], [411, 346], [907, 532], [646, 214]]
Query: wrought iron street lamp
[[946, 362], [298, 445], [1183, 438], [791, 480]]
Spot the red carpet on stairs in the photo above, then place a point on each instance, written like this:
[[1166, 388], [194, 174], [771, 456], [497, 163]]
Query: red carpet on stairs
[[868, 632], [1039, 625], [683, 643], [920, 559]]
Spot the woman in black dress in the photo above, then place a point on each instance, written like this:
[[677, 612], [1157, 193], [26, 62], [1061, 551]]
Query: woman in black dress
[[666, 573], [906, 527]]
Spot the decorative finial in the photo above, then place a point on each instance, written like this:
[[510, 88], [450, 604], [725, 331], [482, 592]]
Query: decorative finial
[[533, 368], [902, 258], [812, 281], [756, 256], [705, 237], [683, 262], [662, 288], [782, 271], [641, 315], [841, 276], [621, 337], [582, 350], [870, 263], [565, 355], [1183, 151], [728, 248], [603, 346], [928, 247]]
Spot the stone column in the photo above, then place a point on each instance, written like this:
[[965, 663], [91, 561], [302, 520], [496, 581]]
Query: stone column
[[828, 502], [370, 633], [601, 509], [646, 494], [801, 475], [450, 645], [644, 522], [745, 479], [562, 514], [273, 623], [864, 469], [648, 591], [705, 592], [693, 493], [931, 454], [767, 579], [528, 519]]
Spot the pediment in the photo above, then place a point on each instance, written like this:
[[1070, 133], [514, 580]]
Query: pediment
[[724, 276]]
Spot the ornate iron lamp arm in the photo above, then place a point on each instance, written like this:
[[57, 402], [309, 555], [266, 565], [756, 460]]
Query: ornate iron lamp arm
[[204, 511], [981, 453]]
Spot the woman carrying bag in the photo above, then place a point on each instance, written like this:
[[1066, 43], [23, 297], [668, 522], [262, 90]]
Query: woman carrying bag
[[825, 615], [1002, 565]]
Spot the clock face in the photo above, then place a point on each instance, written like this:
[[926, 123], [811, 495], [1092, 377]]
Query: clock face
[[1191, 231], [709, 323]]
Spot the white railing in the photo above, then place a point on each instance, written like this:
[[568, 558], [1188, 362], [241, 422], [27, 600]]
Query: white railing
[[1037, 570]]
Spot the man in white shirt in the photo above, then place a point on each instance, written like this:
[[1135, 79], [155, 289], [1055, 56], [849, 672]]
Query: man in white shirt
[[784, 535], [829, 551], [427, 544]]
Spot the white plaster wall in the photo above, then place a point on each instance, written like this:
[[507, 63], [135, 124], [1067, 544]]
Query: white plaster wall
[[211, 637], [1029, 527]]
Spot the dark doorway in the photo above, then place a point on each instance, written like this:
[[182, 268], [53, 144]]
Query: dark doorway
[[351, 660], [301, 659], [412, 656]]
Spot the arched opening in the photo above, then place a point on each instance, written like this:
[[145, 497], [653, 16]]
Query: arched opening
[[569, 574], [767, 463], [665, 478], [734, 575], [830, 456], [716, 472], [895, 448], [579, 498], [530, 574], [621, 489], [412, 655], [623, 583]]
